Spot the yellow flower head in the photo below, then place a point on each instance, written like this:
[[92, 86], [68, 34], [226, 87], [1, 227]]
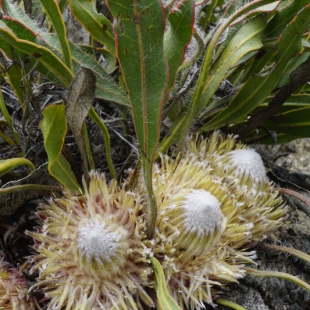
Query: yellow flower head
[[89, 250]]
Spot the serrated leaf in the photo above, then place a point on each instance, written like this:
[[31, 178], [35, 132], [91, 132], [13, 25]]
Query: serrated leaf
[[139, 28], [52, 10], [164, 299], [96, 24], [8, 165], [54, 129]]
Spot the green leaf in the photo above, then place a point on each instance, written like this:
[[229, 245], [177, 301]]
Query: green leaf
[[62, 4], [52, 10], [106, 88], [106, 137], [293, 64], [278, 274], [4, 111], [178, 35], [54, 129], [295, 101], [15, 75], [295, 123], [26, 28], [258, 87], [229, 304], [139, 28], [96, 24], [42, 54], [246, 40], [195, 104], [285, 13], [164, 299], [8, 165]]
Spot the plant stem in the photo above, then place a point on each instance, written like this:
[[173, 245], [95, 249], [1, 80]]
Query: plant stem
[[278, 274], [227, 303], [106, 137]]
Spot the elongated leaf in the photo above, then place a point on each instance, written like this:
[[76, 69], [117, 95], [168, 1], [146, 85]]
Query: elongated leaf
[[14, 194], [229, 304], [14, 75], [295, 123], [4, 111], [62, 4], [54, 129], [8, 165], [106, 87], [291, 66], [96, 24], [139, 29], [80, 100], [257, 88], [285, 249], [164, 299], [294, 102], [195, 105], [178, 35], [281, 275], [44, 55], [52, 10], [284, 14], [246, 40]]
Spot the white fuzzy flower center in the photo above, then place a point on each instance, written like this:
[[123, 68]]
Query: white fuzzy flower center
[[96, 240], [202, 212], [247, 161]]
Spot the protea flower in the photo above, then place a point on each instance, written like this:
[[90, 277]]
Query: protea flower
[[89, 250], [14, 289], [208, 216], [244, 176]]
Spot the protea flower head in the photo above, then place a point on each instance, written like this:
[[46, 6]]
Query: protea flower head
[[193, 212], [189, 214], [89, 250], [244, 175], [14, 289], [206, 219]]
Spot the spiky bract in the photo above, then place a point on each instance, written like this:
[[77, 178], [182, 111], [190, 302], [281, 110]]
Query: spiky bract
[[14, 289], [244, 176], [90, 254], [234, 205]]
